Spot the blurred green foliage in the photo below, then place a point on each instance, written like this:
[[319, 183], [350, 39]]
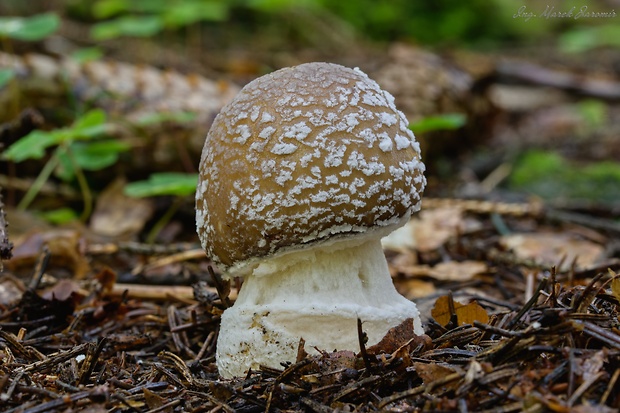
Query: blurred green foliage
[[452, 22], [582, 39], [594, 113], [76, 148], [29, 29], [164, 183], [143, 18], [426, 22], [33, 146], [5, 76], [550, 176], [32, 28], [476, 22], [58, 216], [448, 121]]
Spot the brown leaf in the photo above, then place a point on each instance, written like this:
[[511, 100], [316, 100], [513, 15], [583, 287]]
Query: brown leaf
[[107, 279], [431, 372], [63, 290], [430, 230], [66, 247], [397, 337], [549, 249], [436, 226], [11, 290], [152, 399], [414, 288], [592, 365], [615, 285], [457, 271], [118, 215], [465, 313]]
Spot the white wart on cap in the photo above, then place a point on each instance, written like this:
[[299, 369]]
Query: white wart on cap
[[300, 176]]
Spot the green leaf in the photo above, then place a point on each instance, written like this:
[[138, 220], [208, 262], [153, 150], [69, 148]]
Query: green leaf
[[93, 156], [190, 12], [156, 118], [582, 39], [89, 125], [151, 6], [171, 183], [5, 76], [89, 156], [448, 121], [135, 26], [279, 5], [29, 28], [108, 8], [594, 112], [91, 118], [551, 176], [31, 146], [87, 54], [59, 216]]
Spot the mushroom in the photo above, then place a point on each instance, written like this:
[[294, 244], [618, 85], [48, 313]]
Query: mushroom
[[301, 176]]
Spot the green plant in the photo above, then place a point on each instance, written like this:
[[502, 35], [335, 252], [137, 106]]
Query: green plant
[[439, 22], [59, 216], [593, 112], [448, 121], [144, 18], [179, 185], [582, 39], [550, 176], [77, 148], [165, 183], [5, 76], [29, 29]]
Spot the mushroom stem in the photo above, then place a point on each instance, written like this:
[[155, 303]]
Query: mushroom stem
[[316, 294]]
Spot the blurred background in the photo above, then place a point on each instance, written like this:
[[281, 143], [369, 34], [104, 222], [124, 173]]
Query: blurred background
[[510, 99]]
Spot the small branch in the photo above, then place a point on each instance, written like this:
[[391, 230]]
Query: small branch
[[361, 335], [6, 246], [571, 82]]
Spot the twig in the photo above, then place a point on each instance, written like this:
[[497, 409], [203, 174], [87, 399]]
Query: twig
[[362, 338], [600, 224], [538, 75], [222, 287], [6, 246]]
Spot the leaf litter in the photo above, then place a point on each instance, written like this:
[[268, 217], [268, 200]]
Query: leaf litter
[[504, 332]]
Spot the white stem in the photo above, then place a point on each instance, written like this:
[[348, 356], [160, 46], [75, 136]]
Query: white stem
[[315, 294]]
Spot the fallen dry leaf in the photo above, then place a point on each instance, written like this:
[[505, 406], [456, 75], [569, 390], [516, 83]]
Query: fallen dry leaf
[[445, 271], [63, 290], [430, 229], [615, 285], [549, 249], [414, 288], [153, 400], [107, 279], [431, 372], [436, 227], [465, 313], [397, 337], [457, 271], [66, 247], [118, 215], [11, 290]]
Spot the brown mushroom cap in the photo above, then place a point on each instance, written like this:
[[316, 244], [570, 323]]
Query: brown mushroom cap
[[302, 155]]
